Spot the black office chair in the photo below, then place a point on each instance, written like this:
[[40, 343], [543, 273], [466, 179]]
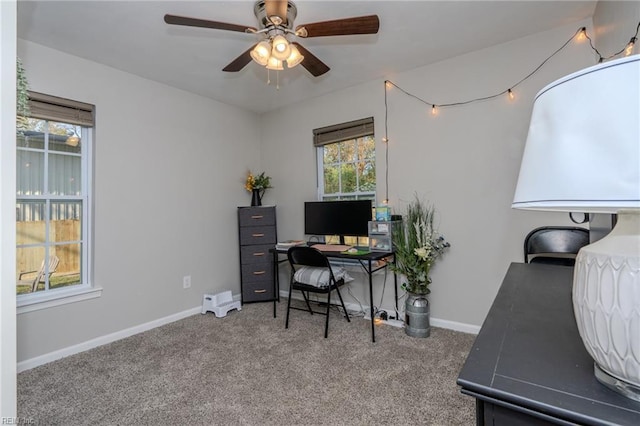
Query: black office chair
[[557, 245], [312, 273]]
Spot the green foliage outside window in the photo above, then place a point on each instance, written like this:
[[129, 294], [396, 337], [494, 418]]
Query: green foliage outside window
[[22, 96], [349, 166]]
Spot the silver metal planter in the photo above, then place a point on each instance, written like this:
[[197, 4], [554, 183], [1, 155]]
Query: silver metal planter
[[416, 315]]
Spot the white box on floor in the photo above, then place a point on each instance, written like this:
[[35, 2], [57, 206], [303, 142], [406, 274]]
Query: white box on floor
[[219, 304]]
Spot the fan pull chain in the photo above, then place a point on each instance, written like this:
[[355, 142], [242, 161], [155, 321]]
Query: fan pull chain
[[277, 79]]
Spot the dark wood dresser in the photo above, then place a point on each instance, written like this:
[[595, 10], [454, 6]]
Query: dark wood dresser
[[257, 235], [528, 365]]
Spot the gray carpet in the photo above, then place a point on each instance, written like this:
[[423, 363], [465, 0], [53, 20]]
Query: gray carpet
[[246, 369]]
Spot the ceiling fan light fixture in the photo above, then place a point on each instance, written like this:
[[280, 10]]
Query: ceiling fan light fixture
[[261, 52], [281, 48], [294, 58], [274, 64], [276, 23]]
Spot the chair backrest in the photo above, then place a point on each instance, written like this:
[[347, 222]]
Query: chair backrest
[[555, 240], [53, 265], [307, 256]]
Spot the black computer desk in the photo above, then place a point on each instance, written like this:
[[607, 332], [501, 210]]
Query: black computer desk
[[366, 260]]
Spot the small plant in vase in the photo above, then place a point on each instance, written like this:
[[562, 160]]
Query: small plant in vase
[[257, 185]]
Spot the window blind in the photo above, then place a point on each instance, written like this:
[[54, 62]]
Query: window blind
[[53, 108], [340, 132]]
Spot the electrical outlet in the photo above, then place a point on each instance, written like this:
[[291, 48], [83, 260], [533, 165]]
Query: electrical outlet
[[186, 281]]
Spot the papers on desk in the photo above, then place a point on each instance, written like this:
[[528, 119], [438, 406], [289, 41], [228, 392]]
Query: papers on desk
[[285, 245], [331, 247], [356, 251]]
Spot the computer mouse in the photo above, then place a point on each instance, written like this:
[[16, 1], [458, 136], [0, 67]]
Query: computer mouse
[[352, 250]]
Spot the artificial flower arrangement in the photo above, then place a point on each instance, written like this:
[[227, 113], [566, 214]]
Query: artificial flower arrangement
[[259, 182], [417, 246]]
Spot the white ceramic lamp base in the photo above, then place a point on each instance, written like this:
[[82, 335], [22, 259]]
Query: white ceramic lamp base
[[606, 303]]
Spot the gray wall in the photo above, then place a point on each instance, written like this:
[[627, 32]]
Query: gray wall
[[150, 154], [177, 161], [465, 160]]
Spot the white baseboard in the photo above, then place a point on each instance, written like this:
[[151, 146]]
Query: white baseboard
[[103, 340], [451, 325], [456, 326], [112, 337]]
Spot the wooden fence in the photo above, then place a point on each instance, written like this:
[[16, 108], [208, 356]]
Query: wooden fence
[[33, 232]]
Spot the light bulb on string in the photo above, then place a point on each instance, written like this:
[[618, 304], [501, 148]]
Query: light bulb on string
[[385, 140], [629, 49], [582, 34]]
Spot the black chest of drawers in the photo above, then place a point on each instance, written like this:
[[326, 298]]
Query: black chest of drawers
[[528, 365], [257, 235]]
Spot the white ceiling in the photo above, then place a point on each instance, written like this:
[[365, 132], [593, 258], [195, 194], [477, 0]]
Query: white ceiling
[[132, 36]]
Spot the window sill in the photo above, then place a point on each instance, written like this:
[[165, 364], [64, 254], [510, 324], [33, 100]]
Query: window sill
[[36, 302]]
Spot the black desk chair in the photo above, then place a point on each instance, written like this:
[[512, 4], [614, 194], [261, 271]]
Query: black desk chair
[[312, 273], [557, 245]]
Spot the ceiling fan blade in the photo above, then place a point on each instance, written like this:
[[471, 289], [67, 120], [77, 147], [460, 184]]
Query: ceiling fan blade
[[203, 23], [240, 62], [276, 8], [348, 26], [311, 63]]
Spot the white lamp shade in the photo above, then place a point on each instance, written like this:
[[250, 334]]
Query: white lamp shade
[[281, 48], [261, 52], [274, 64], [294, 58], [583, 148]]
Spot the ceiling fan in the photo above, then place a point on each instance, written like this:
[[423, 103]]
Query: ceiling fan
[[275, 24]]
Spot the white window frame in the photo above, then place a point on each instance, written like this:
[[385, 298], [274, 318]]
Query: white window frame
[[85, 289], [339, 133], [359, 195]]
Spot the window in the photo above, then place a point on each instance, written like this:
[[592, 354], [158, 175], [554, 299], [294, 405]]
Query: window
[[347, 163], [53, 196]]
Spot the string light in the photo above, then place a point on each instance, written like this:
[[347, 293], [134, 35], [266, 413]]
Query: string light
[[629, 49], [582, 34], [388, 86], [579, 34]]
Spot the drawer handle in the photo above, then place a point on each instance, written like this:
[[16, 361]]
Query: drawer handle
[[259, 272], [257, 216], [260, 291], [257, 235], [260, 253]]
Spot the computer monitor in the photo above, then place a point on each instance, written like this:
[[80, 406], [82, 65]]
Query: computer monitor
[[343, 218]]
